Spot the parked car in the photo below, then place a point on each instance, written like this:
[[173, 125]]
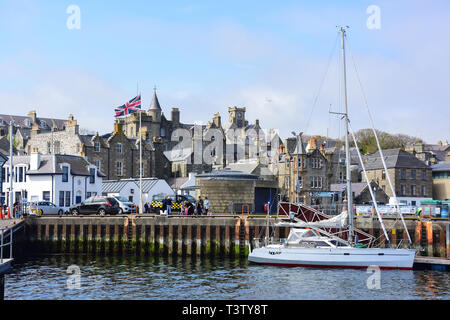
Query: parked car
[[96, 205], [125, 205], [44, 207]]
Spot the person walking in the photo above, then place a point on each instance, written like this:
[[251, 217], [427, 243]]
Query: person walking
[[190, 208], [169, 206], [199, 206], [164, 205], [146, 207], [206, 204]]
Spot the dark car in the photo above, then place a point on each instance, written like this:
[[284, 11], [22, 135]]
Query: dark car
[[96, 205]]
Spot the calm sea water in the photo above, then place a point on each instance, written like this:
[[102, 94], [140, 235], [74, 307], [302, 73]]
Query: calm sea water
[[136, 278]]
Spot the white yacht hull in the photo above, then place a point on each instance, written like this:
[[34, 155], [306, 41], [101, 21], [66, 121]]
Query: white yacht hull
[[334, 257]]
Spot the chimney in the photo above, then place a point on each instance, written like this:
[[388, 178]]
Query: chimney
[[175, 116], [32, 115], [35, 159], [118, 126], [72, 124], [312, 144], [217, 120], [256, 123], [34, 130]]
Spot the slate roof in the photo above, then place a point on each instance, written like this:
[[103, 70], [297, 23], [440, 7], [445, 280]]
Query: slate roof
[[394, 158], [78, 165], [155, 103], [226, 174], [21, 121], [441, 167], [115, 186], [357, 187]]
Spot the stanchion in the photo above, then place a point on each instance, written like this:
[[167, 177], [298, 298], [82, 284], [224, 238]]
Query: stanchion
[[9, 214], [1, 213]]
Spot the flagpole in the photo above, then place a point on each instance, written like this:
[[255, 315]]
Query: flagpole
[[140, 159]]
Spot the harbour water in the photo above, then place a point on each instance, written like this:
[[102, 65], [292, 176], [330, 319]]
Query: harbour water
[[142, 278]]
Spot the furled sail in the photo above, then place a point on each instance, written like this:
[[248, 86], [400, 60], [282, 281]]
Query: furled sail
[[339, 221]]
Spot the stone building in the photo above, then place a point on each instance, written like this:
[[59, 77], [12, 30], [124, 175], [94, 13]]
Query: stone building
[[361, 193], [441, 181], [115, 154], [411, 177], [431, 153], [310, 162], [231, 191], [23, 125]]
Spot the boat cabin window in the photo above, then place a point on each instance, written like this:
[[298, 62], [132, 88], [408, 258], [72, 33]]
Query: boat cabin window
[[322, 244], [338, 243]]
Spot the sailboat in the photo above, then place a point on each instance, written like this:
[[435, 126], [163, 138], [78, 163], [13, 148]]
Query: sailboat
[[314, 244]]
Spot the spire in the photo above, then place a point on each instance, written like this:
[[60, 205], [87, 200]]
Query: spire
[[155, 103]]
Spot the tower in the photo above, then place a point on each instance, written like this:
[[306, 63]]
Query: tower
[[237, 116], [155, 112]]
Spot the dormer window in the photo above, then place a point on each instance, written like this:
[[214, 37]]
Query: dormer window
[[119, 148], [65, 175], [97, 146], [44, 124], [27, 122]]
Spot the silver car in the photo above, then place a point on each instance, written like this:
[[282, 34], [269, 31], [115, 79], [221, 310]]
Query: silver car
[[125, 206], [44, 207]]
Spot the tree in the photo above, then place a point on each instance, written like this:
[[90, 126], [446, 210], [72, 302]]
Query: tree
[[368, 144]]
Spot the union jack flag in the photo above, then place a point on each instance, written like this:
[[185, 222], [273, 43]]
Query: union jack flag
[[132, 106]]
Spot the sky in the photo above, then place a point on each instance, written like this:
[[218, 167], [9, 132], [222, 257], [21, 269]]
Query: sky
[[278, 59]]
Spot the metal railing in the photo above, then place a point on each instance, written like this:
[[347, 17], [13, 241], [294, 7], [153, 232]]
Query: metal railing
[[3, 244]]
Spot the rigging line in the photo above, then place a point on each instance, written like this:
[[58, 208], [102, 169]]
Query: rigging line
[[378, 144], [321, 85]]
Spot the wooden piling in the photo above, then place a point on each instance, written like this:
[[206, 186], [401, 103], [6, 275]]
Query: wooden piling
[[429, 226]]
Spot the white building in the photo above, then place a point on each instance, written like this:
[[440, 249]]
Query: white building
[[129, 188], [62, 179]]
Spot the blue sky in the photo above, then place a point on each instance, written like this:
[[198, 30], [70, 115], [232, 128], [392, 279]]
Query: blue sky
[[267, 56]]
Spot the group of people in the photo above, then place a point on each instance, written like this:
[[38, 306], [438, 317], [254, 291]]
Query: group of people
[[200, 207]]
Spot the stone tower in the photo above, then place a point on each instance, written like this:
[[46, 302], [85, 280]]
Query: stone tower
[[237, 117]]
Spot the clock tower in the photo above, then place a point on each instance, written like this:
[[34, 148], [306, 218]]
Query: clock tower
[[237, 116]]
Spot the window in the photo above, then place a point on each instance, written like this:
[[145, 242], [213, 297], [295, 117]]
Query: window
[[61, 198], [403, 190], [97, 146], [67, 199], [57, 147], [413, 174], [46, 195], [300, 182], [91, 175], [65, 175], [304, 162], [49, 147], [320, 163], [287, 163], [163, 132], [20, 174], [403, 174], [424, 191], [424, 175], [383, 175], [312, 182], [97, 164], [119, 168], [413, 190], [119, 148]]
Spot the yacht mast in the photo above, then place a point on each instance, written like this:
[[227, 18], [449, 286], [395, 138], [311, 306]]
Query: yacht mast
[[347, 149]]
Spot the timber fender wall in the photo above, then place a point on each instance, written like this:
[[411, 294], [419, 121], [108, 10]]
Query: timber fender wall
[[200, 236]]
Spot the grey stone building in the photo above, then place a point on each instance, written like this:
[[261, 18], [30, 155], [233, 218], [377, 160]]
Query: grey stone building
[[411, 178], [115, 154]]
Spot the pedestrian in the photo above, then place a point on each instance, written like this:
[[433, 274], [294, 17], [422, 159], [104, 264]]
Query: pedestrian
[[146, 207], [190, 208], [206, 204], [199, 206], [164, 205], [169, 206]]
